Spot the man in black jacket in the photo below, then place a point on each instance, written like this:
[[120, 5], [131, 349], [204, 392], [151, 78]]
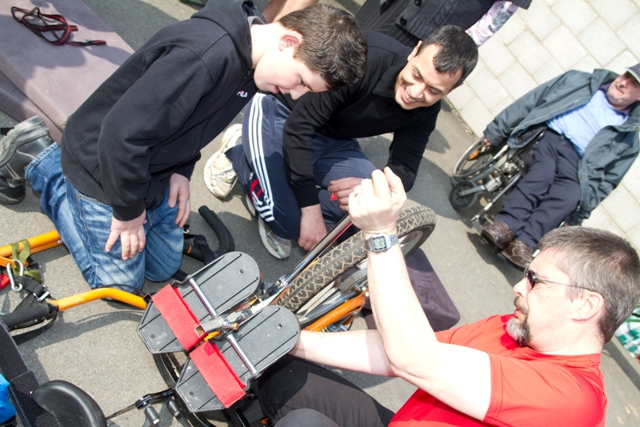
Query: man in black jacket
[[289, 148], [117, 186]]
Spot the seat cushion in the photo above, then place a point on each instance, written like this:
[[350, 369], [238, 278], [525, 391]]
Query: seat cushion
[[55, 80]]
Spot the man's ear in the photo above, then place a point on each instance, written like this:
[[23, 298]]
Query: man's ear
[[414, 52], [290, 39], [590, 305]]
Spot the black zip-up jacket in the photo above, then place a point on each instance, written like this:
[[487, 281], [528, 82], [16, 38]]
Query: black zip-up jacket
[[367, 108], [152, 117]]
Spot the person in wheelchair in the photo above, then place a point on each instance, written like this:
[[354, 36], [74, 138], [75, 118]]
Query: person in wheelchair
[[590, 140], [536, 366]]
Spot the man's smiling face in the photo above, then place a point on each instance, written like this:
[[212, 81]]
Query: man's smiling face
[[419, 84]]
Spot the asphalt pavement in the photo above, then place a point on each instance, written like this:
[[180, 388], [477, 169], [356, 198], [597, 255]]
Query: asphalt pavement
[[96, 347]]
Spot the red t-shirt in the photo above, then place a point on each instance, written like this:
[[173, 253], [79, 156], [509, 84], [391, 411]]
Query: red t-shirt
[[527, 388]]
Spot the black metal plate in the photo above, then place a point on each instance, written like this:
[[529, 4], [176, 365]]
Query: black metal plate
[[264, 338], [226, 282]]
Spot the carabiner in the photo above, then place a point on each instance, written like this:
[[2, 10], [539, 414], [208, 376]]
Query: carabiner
[[17, 287]]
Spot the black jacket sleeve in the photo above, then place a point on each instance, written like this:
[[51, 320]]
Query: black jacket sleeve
[[154, 107], [409, 143], [307, 116]]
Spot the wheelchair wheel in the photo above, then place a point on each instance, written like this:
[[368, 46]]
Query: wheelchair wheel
[[335, 276], [475, 163], [462, 201]]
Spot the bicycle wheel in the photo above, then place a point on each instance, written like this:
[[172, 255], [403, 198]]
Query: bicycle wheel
[[319, 279], [474, 163]]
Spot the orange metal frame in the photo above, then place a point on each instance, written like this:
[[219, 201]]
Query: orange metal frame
[[348, 308], [52, 239], [38, 243]]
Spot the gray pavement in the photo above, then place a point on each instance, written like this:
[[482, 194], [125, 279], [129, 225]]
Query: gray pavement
[[96, 347]]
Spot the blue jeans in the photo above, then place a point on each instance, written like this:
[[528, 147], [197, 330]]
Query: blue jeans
[[84, 225], [259, 164]]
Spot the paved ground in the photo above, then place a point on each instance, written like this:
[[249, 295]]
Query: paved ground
[[96, 347]]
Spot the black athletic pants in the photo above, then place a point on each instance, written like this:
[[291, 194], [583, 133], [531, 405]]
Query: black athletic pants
[[295, 392]]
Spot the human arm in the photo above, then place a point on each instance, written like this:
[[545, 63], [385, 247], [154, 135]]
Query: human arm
[[359, 351], [276, 9], [492, 21], [312, 226], [307, 116], [604, 169], [409, 143], [458, 376], [513, 116], [179, 192]]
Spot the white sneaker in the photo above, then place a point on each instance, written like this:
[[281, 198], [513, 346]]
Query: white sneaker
[[219, 175], [249, 205], [277, 246]]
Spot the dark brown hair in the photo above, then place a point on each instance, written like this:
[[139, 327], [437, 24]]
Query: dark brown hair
[[333, 44]]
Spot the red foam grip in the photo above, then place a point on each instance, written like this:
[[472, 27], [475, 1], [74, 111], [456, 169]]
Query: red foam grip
[[218, 374], [178, 316]]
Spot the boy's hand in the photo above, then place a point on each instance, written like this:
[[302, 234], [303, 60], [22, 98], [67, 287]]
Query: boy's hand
[[375, 204], [312, 227], [131, 234], [341, 188], [179, 191]]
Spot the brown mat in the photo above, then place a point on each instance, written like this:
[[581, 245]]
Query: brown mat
[[38, 77]]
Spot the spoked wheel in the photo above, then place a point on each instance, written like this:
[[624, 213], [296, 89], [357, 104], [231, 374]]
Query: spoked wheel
[[462, 195], [340, 274], [476, 163]]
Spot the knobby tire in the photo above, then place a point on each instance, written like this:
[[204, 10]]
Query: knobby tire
[[349, 253]]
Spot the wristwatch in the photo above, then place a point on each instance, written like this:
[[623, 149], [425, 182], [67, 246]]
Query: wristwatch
[[381, 242]]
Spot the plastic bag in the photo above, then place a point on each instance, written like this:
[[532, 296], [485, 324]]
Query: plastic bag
[[7, 411]]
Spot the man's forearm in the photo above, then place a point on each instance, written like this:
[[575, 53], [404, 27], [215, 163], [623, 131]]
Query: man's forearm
[[359, 351]]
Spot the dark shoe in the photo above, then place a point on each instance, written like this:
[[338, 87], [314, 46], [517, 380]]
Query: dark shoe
[[12, 191], [499, 233], [21, 145], [519, 253]]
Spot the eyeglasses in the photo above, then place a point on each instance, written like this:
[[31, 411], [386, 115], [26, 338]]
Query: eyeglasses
[[533, 279]]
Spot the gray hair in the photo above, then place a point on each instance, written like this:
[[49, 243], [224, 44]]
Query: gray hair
[[602, 262]]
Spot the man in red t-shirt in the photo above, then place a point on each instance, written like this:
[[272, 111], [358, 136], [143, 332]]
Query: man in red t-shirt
[[537, 366]]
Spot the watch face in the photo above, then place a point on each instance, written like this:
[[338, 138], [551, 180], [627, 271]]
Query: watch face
[[378, 243]]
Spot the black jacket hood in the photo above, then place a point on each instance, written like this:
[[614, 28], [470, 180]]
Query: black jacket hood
[[218, 11]]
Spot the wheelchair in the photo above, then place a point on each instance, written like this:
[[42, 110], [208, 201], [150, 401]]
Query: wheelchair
[[489, 173], [219, 328]]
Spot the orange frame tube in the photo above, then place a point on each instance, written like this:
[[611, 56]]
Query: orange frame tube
[[352, 306], [116, 294], [37, 244]]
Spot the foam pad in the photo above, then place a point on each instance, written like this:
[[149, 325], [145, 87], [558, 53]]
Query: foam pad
[[54, 80]]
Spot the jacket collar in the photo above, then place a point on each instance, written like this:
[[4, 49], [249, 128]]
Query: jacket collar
[[386, 86]]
